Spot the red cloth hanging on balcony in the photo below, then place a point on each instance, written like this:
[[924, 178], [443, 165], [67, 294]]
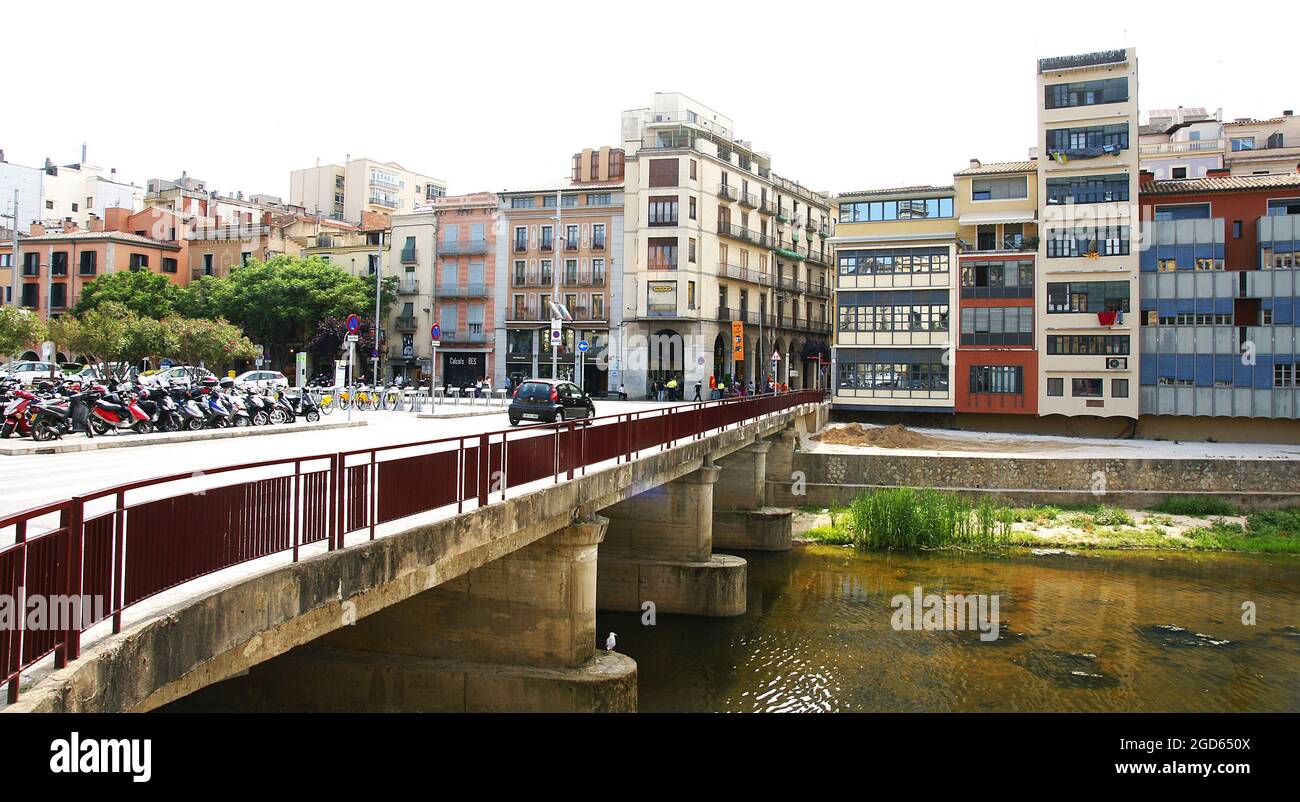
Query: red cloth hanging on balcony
[[1106, 318]]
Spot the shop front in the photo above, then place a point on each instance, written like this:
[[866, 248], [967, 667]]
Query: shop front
[[462, 368]]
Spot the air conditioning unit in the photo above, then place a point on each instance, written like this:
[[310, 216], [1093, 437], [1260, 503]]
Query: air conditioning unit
[[1116, 363]]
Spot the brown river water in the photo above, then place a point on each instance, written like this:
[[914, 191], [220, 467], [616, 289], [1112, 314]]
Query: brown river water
[[1097, 631]]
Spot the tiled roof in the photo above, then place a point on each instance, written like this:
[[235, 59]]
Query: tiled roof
[[119, 236], [1253, 121], [1233, 183], [575, 187], [1000, 167], [921, 188]]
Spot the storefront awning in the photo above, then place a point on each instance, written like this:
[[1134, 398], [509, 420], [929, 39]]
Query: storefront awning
[[989, 218]]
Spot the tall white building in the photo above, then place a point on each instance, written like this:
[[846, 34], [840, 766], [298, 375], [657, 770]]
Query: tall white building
[[345, 191]]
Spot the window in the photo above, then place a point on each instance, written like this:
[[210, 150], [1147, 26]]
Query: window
[[888, 377], [692, 212], [59, 295], [1085, 93], [520, 272], [999, 188], [1085, 388], [908, 209], [245, 257], [690, 249], [139, 261], [1088, 141], [548, 239], [893, 260], [661, 298], [690, 295], [168, 265], [1283, 206], [598, 236], [1088, 345], [1088, 241], [663, 211], [521, 238], [571, 238], [1001, 379], [59, 263], [1240, 143], [1284, 375], [1119, 388], [997, 279], [207, 264], [663, 172], [600, 199], [997, 325], [526, 202], [30, 296], [1177, 173], [597, 306], [31, 264], [1056, 387], [662, 253], [1087, 189], [1087, 296], [598, 271], [615, 164]]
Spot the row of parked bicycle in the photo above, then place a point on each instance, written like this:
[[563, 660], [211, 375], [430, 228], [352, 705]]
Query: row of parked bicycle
[[49, 410]]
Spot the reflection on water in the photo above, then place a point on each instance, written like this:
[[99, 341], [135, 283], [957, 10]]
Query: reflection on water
[[1148, 632]]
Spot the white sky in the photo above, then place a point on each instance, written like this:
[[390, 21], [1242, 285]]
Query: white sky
[[491, 94]]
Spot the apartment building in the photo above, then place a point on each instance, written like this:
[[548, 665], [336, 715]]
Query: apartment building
[[448, 257], [1182, 143], [1263, 147], [24, 184], [54, 266], [1087, 260], [76, 192], [897, 251], [563, 245], [345, 191], [1220, 304], [996, 367], [727, 263]]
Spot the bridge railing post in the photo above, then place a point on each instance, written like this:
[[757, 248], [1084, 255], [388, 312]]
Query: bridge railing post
[[72, 517], [484, 469], [118, 593]]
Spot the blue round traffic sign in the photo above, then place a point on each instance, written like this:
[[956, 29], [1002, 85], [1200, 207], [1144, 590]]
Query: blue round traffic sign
[[583, 346], [435, 331], [354, 323]]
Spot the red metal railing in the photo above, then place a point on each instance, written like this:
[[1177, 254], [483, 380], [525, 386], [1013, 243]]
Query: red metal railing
[[115, 547]]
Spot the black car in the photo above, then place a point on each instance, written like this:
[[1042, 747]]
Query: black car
[[549, 401]]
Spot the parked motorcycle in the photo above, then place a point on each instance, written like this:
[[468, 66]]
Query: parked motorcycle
[[117, 411]]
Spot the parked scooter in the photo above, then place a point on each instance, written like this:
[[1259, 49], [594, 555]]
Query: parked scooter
[[299, 405], [17, 418], [117, 411], [55, 418]]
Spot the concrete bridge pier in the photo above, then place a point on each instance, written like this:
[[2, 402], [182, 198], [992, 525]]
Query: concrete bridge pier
[[516, 634], [660, 549], [741, 517]]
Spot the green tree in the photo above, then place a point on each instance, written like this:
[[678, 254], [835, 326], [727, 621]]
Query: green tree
[[280, 302], [103, 334], [213, 343], [19, 329], [142, 292]]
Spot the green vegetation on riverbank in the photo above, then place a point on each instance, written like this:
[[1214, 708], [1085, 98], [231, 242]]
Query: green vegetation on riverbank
[[907, 518]]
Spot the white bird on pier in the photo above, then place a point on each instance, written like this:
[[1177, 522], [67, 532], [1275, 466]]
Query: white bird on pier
[[610, 641]]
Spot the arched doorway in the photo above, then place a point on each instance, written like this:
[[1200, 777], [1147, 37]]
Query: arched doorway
[[30, 356], [666, 360]]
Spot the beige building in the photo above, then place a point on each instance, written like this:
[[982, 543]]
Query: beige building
[[897, 255], [345, 191], [1088, 190], [1263, 147], [726, 264]]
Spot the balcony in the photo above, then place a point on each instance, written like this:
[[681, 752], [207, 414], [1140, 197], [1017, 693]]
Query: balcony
[[1008, 245], [766, 206], [546, 246], [586, 314], [584, 280], [736, 232], [728, 192], [406, 324], [387, 203], [749, 200], [790, 284], [824, 259], [822, 290], [530, 280], [598, 245], [235, 232], [528, 314], [810, 226], [463, 247], [471, 290], [409, 286], [1185, 146], [519, 247], [571, 245], [464, 337], [745, 274], [382, 184]]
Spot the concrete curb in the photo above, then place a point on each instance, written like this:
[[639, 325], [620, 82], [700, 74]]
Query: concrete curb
[[128, 441], [465, 414]]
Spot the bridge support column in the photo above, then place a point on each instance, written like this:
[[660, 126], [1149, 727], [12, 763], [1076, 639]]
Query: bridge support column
[[660, 550], [781, 482], [517, 634], [741, 518]]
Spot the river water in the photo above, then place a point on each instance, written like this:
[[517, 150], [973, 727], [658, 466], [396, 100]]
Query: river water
[[1105, 631]]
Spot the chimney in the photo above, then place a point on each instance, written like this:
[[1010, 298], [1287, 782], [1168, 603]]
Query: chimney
[[1285, 113], [95, 224], [974, 163], [1218, 172], [1146, 175], [37, 230], [70, 226], [83, 152], [2, 155]]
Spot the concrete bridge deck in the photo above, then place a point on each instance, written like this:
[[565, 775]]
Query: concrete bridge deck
[[471, 603]]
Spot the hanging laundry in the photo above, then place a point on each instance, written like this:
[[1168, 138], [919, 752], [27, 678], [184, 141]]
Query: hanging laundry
[[1106, 318]]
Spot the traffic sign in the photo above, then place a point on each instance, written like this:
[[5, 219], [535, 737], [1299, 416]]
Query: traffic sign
[[352, 338], [354, 323], [435, 332], [583, 346], [556, 333], [776, 355]]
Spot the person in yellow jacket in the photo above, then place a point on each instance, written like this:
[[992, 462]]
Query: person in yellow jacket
[[672, 389]]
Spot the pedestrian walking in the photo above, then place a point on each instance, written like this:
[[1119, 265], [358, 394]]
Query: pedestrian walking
[[622, 392], [698, 387]]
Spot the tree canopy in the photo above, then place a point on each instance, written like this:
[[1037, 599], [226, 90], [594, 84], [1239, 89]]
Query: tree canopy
[[139, 291], [19, 329]]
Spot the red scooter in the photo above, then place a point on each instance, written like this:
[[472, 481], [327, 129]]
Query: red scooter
[[112, 411], [17, 418]]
